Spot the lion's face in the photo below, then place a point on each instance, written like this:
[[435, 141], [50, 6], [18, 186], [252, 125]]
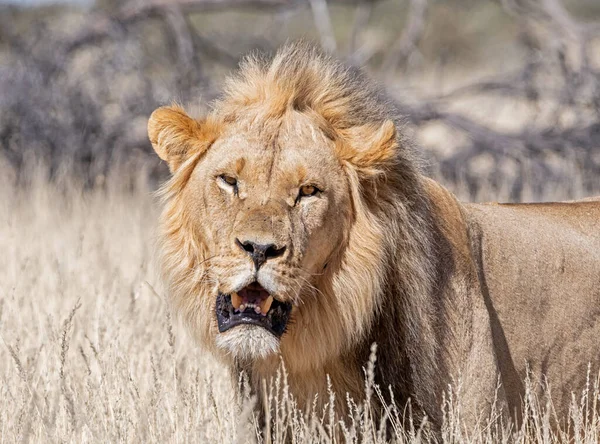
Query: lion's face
[[273, 231], [271, 216], [270, 209]]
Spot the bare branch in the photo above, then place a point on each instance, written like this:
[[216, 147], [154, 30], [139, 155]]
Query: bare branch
[[361, 18], [323, 24], [179, 28], [191, 6], [408, 41], [100, 27]]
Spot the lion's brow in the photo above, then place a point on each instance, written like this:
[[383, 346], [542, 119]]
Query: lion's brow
[[275, 146]]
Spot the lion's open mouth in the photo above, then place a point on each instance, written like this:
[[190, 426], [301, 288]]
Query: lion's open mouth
[[252, 305]]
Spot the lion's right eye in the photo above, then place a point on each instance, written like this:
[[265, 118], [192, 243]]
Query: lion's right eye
[[228, 183], [231, 181]]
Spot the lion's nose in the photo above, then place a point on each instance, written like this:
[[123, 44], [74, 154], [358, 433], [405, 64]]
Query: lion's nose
[[260, 253]]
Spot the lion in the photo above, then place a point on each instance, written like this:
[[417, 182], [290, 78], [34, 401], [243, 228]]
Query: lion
[[299, 228]]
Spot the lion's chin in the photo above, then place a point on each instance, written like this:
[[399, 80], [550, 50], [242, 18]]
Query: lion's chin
[[248, 342]]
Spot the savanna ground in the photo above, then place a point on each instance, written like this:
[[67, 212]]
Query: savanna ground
[[88, 350]]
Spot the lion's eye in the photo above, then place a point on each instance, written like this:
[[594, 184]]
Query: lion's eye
[[231, 181], [308, 190]]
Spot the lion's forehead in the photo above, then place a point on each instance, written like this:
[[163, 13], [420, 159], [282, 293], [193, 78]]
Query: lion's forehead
[[288, 158]]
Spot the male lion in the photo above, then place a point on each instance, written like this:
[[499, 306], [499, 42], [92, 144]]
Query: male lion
[[299, 228]]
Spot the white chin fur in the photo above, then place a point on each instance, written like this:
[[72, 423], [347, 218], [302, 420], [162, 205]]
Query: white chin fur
[[248, 342]]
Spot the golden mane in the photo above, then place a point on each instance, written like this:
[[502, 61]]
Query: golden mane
[[384, 273]]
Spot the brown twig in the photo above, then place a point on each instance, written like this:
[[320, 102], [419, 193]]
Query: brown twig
[[323, 24], [361, 18], [406, 44]]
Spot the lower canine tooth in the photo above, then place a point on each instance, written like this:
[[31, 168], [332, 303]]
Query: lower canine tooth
[[242, 307], [257, 309]]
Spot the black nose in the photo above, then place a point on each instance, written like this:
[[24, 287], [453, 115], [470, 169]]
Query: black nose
[[260, 253]]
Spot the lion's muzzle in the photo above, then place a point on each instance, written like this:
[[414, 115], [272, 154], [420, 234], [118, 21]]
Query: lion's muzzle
[[252, 305]]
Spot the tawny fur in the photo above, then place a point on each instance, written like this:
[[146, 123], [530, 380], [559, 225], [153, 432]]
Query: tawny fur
[[450, 292]]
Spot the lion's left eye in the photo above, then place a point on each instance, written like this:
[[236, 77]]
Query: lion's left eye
[[308, 190]]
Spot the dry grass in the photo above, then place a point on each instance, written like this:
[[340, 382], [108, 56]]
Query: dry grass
[[88, 352]]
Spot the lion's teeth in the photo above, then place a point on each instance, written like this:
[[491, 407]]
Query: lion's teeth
[[236, 300], [261, 307], [265, 305]]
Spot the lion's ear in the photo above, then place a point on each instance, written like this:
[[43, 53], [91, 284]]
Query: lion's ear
[[175, 136], [370, 148]]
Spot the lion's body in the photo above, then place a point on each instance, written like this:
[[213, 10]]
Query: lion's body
[[539, 273], [375, 253]]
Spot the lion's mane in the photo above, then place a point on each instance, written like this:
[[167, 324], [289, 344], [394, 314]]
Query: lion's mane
[[378, 289]]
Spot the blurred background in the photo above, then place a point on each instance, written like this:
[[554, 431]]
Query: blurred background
[[503, 96]]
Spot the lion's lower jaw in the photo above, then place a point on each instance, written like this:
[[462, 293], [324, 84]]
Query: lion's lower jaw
[[248, 342]]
